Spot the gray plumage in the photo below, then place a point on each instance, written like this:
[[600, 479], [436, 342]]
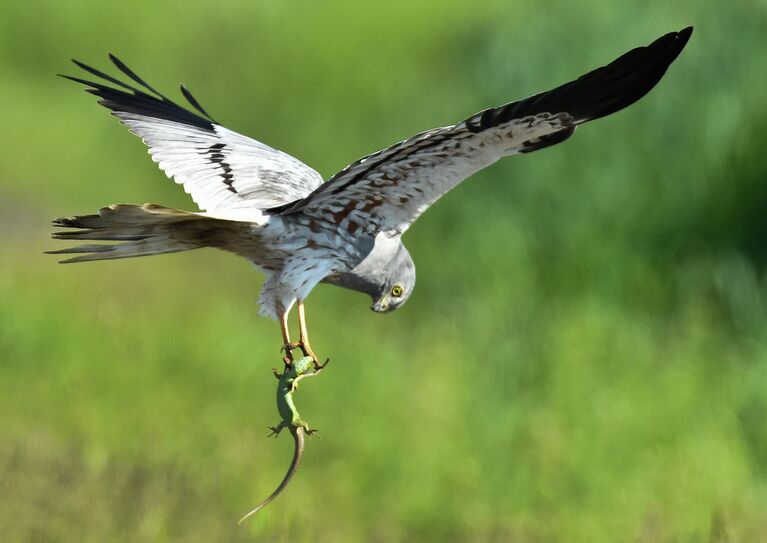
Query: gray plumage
[[272, 209]]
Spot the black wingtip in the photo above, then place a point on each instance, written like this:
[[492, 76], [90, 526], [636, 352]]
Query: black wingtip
[[90, 86], [684, 35], [130, 73], [75, 79], [117, 62], [600, 92], [193, 101], [76, 63], [138, 100]]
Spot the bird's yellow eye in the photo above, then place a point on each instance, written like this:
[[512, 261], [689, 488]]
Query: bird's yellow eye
[[397, 291]]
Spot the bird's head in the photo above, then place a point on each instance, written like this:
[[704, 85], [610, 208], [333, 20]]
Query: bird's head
[[396, 285], [387, 275]]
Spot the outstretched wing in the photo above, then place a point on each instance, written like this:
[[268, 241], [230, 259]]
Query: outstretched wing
[[218, 167], [387, 190]]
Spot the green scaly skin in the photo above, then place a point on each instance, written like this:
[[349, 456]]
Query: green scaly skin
[[288, 383]]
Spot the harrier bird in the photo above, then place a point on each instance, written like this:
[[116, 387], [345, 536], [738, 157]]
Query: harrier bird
[[272, 209]]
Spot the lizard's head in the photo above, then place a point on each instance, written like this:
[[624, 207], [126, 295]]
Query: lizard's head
[[302, 365]]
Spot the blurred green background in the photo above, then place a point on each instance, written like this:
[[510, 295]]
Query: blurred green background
[[584, 358]]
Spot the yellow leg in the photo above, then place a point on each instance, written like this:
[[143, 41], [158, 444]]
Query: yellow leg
[[286, 345], [303, 336], [284, 328]]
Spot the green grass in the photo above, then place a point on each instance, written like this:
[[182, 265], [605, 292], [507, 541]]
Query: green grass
[[584, 358]]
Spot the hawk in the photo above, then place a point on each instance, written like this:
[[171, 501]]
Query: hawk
[[265, 205]]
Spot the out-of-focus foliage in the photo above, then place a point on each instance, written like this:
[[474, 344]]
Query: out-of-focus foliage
[[585, 356]]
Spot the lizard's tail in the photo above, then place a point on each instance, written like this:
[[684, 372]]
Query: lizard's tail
[[298, 452]]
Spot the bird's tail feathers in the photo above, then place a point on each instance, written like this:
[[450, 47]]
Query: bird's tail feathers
[[141, 230]]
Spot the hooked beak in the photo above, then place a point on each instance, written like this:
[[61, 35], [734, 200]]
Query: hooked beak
[[381, 305]]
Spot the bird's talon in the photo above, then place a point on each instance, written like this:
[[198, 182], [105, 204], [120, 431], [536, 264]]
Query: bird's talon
[[288, 350], [287, 347]]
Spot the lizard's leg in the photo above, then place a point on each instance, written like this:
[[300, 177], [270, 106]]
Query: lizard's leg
[[294, 382], [276, 429], [307, 430], [303, 337]]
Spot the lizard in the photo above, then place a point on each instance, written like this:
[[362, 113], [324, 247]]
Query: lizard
[[294, 371]]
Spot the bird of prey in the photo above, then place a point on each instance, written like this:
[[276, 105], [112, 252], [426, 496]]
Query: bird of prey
[[263, 204]]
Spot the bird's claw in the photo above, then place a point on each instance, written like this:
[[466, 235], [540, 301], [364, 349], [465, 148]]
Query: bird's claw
[[288, 349], [318, 366]]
